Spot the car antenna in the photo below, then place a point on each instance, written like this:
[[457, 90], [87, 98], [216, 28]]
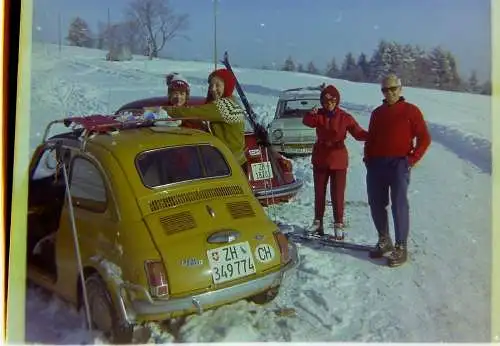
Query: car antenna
[[215, 34]]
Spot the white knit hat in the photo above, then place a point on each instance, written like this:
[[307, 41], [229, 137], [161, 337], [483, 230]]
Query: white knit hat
[[175, 81]]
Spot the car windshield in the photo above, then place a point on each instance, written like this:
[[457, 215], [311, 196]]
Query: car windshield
[[177, 164], [298, 108]]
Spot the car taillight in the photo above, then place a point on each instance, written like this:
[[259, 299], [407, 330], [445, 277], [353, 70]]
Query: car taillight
[[157, 279], [283, 245], [286, 165]]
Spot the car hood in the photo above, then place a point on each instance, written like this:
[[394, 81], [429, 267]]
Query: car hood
[[293, 130], [290, 124]]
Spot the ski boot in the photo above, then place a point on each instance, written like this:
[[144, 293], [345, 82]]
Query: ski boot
[[316, 229], [339, 231], [383, 246], [398, 256]]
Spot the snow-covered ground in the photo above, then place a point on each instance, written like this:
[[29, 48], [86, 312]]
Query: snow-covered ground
[[441, 294]]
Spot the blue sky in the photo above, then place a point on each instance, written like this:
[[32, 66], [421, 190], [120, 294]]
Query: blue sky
[[263, 32]]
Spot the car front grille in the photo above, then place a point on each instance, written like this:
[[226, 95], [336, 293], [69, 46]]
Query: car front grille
[[298, 146], [194, 196], [239, 210], [178, 222]]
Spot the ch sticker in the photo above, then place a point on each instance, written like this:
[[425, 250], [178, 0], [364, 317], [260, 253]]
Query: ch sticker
[[264, 253]]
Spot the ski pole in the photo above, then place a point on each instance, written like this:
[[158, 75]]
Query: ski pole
[[77, 247]]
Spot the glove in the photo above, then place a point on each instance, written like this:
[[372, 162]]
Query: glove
[[261, 134], [164, 115]]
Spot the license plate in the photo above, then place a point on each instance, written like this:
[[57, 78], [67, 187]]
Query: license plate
[[297, 149], [262, 171], [231, 262]]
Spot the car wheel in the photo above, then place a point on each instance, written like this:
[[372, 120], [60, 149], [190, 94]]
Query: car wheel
[[104, 315], [265, 297]]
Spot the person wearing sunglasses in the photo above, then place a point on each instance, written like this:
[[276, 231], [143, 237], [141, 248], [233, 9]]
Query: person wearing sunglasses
[[389, 155], [330, 157]]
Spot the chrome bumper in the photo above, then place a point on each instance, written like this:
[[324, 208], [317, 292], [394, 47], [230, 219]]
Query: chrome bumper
[[130, 310], [279, 191], [283, 148]]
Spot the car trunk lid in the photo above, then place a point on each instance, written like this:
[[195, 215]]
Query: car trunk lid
[[208, 226]]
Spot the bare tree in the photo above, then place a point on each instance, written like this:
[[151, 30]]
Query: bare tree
[[158, 22]]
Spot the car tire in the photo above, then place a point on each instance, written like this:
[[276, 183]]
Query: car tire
[[265, 297], [104, 316]]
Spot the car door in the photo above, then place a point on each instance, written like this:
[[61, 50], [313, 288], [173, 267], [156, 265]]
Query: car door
[[95, 217]]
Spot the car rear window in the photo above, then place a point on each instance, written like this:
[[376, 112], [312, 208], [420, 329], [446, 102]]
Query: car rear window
[[177, 164], [298, 108]]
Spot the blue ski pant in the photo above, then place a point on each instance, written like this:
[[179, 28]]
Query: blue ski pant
[[389, 177]]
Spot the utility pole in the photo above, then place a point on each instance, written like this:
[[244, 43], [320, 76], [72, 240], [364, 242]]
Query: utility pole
[[215, 34], [108, 32], [59, 31]]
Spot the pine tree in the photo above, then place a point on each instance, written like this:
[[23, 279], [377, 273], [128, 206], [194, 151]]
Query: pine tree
[[486, 88], [350, 70], [289, 65], [332, 69], [300, 68], [311, 68], [79, 33], [423, 69], [364, 67], [472, 83], [444, 69], [378, 64]]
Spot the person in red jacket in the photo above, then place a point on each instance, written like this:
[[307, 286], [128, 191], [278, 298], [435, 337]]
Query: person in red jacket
[[329, 157], [389, 155]]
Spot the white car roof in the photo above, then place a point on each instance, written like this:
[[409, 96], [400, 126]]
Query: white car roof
[[300, 93]]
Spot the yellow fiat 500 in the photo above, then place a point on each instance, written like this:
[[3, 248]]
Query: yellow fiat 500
[[162, 223]]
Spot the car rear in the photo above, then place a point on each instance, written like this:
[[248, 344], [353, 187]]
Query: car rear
[[268, 171], [210, 231]]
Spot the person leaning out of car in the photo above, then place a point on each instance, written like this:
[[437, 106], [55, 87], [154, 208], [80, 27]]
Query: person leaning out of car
[[178, 92], [177, 89], [226, 117], [330, 157]]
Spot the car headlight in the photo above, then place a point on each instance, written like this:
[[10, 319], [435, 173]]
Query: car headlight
[[278, 134]]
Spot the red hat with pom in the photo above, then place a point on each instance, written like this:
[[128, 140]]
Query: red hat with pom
[[175, 81]]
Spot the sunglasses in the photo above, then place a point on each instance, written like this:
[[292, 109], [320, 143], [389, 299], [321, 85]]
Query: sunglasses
[[392, 88], [329, 98]]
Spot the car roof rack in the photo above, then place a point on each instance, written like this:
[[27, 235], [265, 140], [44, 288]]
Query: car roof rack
[[95, 124], [295, 92], [319, 87]]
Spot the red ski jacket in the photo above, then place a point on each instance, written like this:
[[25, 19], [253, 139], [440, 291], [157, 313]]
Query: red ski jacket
[[331, 131], [393, 129]]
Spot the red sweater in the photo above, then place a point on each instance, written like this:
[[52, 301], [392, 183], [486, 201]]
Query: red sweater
[[329, 150], [393, 129]]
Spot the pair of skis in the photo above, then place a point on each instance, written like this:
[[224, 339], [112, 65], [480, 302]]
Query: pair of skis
[[329, 240], [259, 130]]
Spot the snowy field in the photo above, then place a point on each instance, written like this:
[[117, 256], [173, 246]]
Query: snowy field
[[441, 294]]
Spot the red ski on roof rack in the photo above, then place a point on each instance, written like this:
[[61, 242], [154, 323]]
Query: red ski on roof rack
[[98, 123]]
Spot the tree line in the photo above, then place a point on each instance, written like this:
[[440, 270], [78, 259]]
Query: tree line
[[433, 69], [148, 26]]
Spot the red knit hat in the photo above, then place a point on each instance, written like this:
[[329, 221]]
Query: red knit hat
[[228, 78], [331, 90]]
